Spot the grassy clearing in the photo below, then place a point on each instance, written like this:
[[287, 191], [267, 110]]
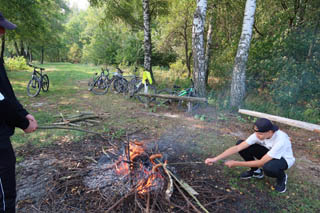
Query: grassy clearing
[[68, 95]]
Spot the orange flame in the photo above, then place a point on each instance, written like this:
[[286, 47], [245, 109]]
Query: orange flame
[[146, 179]]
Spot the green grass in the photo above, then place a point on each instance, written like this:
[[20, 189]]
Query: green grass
[[61, 98]]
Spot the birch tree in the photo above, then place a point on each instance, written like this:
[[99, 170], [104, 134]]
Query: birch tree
[[147, 37], [199, 74], [239, 69]]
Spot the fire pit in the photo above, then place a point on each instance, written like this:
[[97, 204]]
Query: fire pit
[[141, 177], [132, 169]]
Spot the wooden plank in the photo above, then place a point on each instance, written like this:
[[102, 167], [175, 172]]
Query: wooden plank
[[288, 121], [183, 98]]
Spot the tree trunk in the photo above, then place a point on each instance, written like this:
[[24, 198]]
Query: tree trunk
[[22, 52], [16, 48], [199, 74], [208, 49], [147, 37], [42, 55], [239, 69], [186, 47], [30, 55], [313, 39], [2, 47]]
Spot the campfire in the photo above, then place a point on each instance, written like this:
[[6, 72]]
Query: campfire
[[142, 170], [139, 175]]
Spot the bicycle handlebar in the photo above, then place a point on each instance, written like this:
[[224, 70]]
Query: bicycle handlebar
[[30, 65]]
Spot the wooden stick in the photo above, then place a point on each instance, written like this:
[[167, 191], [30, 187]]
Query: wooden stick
[[290, 122], [119, 201], [68, 128], [83, 118], [183, 98], [188, 189], [188, 201]]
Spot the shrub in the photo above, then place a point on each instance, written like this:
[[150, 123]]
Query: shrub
[[16, 63]]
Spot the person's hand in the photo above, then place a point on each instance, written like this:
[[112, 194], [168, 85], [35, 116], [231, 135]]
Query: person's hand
[[210, 161], [33, 125], [230, 163]]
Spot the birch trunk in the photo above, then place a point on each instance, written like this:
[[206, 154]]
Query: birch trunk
[[239, 69], [199, 74], [208, 48], [147, 37]]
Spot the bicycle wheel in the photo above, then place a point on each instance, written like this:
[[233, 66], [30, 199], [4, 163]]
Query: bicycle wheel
[[100, 87], [45, 83], [120, 85], [144, 99], [34, 86], [194, 105], [133, 86], [163, 101]]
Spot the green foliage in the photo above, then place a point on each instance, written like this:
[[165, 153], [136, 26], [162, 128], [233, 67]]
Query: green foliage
[[131, 51], [75, 53], [16, 63], [179, 68]]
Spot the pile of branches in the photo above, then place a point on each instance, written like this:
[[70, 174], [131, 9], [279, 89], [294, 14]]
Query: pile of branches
[[78, 120], [74, 122], [66, 191]]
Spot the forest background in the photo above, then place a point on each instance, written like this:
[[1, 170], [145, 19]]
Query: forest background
[[283, 68]]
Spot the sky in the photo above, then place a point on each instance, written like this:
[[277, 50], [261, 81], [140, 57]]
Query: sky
[[82, 4]]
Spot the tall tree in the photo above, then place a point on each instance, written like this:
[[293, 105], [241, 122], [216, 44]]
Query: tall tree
[[199, 74], [147, 37], [208, 47], [239, 69]]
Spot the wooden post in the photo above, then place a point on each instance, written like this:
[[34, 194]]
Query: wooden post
[[290, 122]]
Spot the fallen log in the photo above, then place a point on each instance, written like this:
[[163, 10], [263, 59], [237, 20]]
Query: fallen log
[[288, 121], [175, 97]]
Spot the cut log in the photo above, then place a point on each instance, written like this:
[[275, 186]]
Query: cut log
[[288, 121], [175, 97]]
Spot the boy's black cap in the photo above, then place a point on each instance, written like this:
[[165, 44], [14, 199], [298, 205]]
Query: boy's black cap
[[264, 125], [6, 24]]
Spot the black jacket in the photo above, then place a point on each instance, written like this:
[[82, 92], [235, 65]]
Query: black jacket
[[12, 114]]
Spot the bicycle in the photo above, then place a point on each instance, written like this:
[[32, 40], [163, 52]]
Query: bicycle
[[142, 85], [100, 84], [120, 84], [189, 92], [37, 82]]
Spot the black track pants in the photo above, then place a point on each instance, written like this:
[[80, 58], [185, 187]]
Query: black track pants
[[274, 168], [7, 178]]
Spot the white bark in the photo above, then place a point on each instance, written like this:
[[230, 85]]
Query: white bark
[[239, 69], [147, 36], [199, 74]]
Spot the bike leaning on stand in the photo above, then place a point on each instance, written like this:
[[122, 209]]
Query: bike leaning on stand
[[100, 83], [142, 85], [37, 82]]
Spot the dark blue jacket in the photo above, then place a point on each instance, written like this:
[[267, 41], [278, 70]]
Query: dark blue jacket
[[12, 114]]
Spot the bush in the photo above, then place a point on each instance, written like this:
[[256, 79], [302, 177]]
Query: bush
[[16, 63]]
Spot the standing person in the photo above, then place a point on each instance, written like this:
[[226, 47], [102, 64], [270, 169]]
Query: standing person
[[12, 114], [269, 148]]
